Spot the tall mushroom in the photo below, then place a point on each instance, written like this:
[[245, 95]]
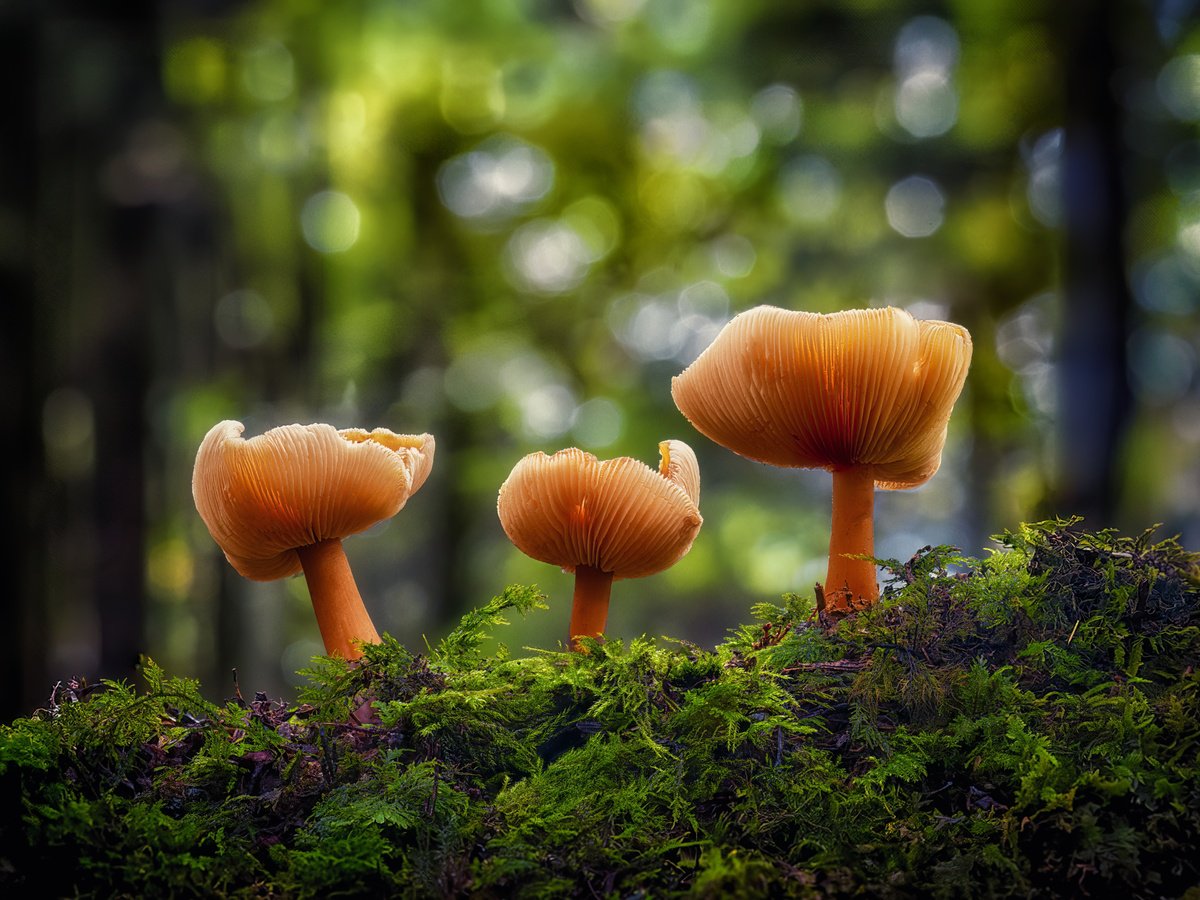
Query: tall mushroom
[[602, 520], [280, 503], [866, 394]]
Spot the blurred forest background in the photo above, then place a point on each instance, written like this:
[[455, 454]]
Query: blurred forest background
[[509, 223]]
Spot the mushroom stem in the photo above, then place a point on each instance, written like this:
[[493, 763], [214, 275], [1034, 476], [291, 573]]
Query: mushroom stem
[[341, 615], [851, 583], [589, 613]]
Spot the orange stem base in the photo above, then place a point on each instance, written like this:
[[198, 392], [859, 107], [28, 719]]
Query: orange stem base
[[589, 611], [341, 615], [850, 583]]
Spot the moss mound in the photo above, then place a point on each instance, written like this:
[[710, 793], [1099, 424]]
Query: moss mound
[[1024, 725]]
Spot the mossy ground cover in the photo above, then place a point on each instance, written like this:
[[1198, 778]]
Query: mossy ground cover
[[1025, 725]]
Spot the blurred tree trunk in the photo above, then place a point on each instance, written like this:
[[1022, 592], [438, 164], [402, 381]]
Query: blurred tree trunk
[[120, 383], [1094, 397], [22, 616], [78, 308], [130, 235], [127, 224]]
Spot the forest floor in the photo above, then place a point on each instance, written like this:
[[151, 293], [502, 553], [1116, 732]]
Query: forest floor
[[1022, 725]]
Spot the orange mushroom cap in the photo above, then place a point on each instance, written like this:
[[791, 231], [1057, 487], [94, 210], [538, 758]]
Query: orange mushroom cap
[[868, 387], [618, 516], [297, 485]]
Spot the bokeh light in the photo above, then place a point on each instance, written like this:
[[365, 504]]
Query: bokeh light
[[268, 72], [548, 257], [926, 102], [1179, 87], [597, 423], [1162, 365], [915, 206], [244, 319], [1044, 190], [330, 221], [1167, 284], [779, 113], [499, 179], [810, 190], [69, 432]]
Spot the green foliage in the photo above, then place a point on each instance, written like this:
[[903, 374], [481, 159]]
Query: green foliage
[[465, 640], [1027, 725]]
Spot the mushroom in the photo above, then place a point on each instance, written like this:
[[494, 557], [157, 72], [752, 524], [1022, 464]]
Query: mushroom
[[280, 503], [602, 520], [865, 394]]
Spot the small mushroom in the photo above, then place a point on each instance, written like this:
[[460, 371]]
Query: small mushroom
[[280, 503], [866, 394], [602, 520]]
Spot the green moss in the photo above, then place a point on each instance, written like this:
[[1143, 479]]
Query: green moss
[[1025, 725]]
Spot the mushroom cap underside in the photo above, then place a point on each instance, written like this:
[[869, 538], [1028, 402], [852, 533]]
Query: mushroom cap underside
[[297, 485], [617, 515], [868, 387]]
